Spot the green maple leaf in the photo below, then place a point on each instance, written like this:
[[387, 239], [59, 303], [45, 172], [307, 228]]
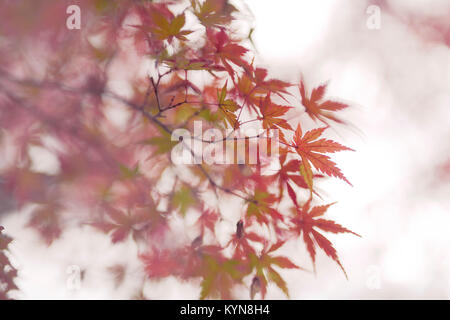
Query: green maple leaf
[[220, 278]]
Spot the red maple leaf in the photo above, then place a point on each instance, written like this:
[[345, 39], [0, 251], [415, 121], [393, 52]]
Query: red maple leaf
[[272, 113], [311, 150], [261, 206], [226, 50], [162, 263], [208, 219], [253, 85], [240, 241], [307, 220], [263, 264], [288, 174], [121, 224], [318, 108], [8, 272]]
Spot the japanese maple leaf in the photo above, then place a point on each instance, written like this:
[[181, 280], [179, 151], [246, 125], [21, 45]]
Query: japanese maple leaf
[[208, 219], [213, 12], [288, 174], [272, 113], [167, 29], [46, 220], [225, 50], [307, 221], [240, 241], [276, 86], [228, 107], [260, 205], [162, 263], [185, 262], [121, 224], [261, 181], [312, 152], [220, 276], [183, 199], [253, 85], [237, 176], [242, 177], [7, 271], [318, 108], [263, 265], [162, 144]]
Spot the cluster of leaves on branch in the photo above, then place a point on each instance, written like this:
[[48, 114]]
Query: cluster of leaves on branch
[[161, 66], [8, 272]]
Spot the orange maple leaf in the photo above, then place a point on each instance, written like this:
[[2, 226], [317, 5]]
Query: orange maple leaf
[[240, 240], [289, 172], [306, 220], [264, 263], [312, 152], [315, 105], [271, 114]]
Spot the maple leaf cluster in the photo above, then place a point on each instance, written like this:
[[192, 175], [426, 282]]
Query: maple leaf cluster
[[8, 272], [117, 175]]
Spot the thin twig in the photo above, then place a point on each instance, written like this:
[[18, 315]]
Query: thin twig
[[155, 89]]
